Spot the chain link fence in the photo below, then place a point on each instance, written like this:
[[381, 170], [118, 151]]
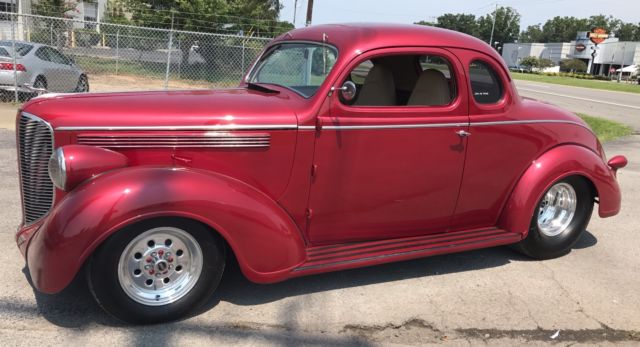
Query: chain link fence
[[113, 57]]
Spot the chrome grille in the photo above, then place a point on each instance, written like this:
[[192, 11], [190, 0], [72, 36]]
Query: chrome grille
[[35, 147]]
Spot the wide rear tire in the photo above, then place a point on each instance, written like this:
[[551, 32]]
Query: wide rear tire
[[561, 216], [157, 270]]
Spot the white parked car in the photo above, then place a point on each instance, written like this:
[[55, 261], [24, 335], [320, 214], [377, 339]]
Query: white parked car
[[39, 67]]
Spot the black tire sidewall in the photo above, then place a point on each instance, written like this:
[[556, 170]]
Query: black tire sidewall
[[85, 80], [102, 273], [541, 246]]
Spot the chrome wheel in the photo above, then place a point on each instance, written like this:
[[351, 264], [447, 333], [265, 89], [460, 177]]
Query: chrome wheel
[[557, 209], [160, 266]]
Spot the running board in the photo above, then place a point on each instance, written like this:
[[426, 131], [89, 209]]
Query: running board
[[358, 254]]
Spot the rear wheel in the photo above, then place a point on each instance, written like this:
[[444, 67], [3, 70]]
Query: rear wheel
[[40, 83], [83, 84], [561, 216], [156, 271]]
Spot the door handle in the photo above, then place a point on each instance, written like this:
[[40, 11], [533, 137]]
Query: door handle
[[463, 133]]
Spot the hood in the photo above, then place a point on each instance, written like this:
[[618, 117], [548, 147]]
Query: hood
[[226, 107]]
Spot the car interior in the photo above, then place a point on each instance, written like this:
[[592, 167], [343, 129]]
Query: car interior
[[403, 80]]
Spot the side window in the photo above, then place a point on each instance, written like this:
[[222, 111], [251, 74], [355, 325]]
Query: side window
[[42, 54], [403, 80], [485, 83], [57, 57]]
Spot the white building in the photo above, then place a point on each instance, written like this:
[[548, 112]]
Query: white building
[[609, 56], [91, 11], [512, 53]]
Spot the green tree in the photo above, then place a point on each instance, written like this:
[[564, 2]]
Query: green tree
[[464, 23], [609, 23], [425, 23], [628, 32], [573, 65], [563, 29], [54, 8], [507, 26], [533, 33], [544, 63], [529, 62]]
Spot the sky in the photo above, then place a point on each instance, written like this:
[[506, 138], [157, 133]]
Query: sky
[[410, 11]]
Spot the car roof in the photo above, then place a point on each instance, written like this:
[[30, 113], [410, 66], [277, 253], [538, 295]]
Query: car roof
[[34, 44], [366, 36]]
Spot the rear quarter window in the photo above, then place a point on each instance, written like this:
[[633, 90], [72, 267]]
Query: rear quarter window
[[485, 83]]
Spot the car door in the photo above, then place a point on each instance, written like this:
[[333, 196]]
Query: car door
[[67, 75], [385, 169], [501, 144], [47, 68]]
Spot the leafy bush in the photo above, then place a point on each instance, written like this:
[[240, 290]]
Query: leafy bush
[[87, 37], [544, 63], [529, 62], [573, 65]]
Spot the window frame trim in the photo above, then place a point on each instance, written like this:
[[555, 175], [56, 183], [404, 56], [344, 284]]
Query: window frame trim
[[458, 107], [496, 74], [457, 70], [268, 49]]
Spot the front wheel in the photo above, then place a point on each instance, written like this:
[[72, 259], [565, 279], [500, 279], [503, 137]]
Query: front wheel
[[561, 216], [156, 271]]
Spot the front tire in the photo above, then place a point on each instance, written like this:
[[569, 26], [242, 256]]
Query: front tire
[[157, 270], [561, 216]]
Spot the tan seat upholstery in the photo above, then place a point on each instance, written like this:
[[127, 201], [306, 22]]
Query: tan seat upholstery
[[378, 88], [431, 89]]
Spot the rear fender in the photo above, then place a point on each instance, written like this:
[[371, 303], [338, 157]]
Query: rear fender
[[263, 237], [555, 164]]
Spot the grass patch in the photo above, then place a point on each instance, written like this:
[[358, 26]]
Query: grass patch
[[605, 129], [574, 82], [197, 72]]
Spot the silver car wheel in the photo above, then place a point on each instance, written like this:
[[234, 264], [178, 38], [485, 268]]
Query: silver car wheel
[[557, 209], [160, 266]]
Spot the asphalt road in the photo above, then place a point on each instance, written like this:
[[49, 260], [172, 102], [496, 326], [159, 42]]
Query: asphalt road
[[617, 106], [491, 296]]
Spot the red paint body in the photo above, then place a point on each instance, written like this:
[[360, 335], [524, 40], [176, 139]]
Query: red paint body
[[296, 206]]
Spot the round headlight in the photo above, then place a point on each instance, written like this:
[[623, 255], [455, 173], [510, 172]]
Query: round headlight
[[58, 169]]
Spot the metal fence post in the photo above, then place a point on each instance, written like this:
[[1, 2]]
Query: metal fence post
[[243, 48], [51, 34], [117, 49], [14, 54], [166, 75]]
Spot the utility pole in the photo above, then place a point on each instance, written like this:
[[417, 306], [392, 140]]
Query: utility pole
[[295, 12], [624, 49], [309, 12], [493, 26]]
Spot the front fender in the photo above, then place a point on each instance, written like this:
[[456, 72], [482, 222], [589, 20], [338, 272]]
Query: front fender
[[555, 164], [263, 237]]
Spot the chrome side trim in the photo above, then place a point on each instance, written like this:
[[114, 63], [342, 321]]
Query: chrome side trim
[[232, 127], [448, 125], [181, 127], [208, 140], [393, 126], [534, 121]]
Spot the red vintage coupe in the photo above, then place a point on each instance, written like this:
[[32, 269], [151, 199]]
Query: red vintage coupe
[[344, 146]]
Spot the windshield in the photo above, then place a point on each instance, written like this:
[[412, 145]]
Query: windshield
[[301, 67], [21, 48]]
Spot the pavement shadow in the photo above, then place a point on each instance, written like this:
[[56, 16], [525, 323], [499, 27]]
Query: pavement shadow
[[74, 307]]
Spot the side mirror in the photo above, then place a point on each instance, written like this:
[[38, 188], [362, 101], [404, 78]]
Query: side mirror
[[348, 91]]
